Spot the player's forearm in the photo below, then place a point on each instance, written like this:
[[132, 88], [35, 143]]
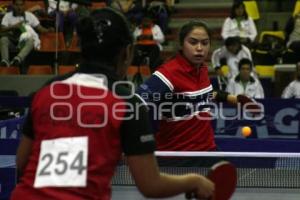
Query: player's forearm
[[152, 183], [171, 185], [222, 96]]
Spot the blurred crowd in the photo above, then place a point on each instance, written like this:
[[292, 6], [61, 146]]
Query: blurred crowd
[[241, 51]]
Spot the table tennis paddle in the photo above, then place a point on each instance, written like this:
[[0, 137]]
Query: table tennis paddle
[[252, 105], [224, 176]]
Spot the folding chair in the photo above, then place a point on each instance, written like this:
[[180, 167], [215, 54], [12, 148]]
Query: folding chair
[[5, 3], [9, 70], [296, 8], [98, 5], [40, 70], [34, 5], [48, 42], [252, 9], [64, 69], [74, 46], [145, 70], [279, 34]]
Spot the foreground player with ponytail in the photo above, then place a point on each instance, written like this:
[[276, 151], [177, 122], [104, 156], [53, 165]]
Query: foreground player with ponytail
[[79, 125]]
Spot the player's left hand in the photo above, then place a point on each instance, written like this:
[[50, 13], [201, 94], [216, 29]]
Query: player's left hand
[[250, 104]]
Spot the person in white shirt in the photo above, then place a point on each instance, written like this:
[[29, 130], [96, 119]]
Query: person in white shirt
[[239, 24], [18, 29], [293, 89], [244, 83], [230, 55], [66, 16], [292, 32], [149, 38]]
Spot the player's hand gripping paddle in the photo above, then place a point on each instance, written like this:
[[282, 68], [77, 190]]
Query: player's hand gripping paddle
[[224, 176], [252, 105]]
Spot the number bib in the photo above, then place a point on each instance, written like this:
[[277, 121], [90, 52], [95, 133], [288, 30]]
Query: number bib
[[62, 163]]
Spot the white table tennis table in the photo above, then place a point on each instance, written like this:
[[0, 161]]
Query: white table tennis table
[[132, 193]]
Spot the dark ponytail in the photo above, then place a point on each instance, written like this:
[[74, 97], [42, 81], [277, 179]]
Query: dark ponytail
[[103, 34]]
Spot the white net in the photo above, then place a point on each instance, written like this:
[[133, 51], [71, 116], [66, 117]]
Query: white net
[[255, 169]]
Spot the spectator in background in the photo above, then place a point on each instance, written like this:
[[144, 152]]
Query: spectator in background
[[239, 24], [17, 30], [244, 83], [292, 32], [293, 89], [159, 11], [67, 16], [230, 55], [132, 9], [149, 38]]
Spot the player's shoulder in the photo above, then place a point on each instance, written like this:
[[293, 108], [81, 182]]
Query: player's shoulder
[[294, 83], [125, 91], [171, 65], [29, 14]]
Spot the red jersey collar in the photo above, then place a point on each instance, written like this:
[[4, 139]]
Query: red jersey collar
[[185, 64]]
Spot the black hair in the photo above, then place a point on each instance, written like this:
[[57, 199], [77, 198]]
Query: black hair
[[14, 9], [297, 66], [232, 41], [245, 61], [14, 1], [235, 5], [191, 25], [103, 34]]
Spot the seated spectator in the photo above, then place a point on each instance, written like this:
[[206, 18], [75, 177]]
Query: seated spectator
[[293, 89], [67, 16], [239, 24], [230, 55], [159, 11], [17, 30], [292, 31], [149, 38], [132, 9], [244, 83]]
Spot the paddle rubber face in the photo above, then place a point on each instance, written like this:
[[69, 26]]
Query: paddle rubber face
[[224, 176], [251, 104]]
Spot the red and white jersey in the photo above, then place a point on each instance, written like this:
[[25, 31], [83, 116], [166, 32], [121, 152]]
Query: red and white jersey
[[186, 122], [80, 126]]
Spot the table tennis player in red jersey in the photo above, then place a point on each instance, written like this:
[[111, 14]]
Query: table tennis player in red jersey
[[180, 91], [79, 125]]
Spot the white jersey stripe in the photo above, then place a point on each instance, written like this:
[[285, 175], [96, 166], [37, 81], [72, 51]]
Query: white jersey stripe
[[164, 79], [198, 92]]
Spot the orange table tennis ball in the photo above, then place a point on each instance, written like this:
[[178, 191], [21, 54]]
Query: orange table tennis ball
[[246, 131]]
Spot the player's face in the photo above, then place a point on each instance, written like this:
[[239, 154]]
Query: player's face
[[196, 46], [245, 72]]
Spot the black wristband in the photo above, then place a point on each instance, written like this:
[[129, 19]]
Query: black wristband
[[221, 96]]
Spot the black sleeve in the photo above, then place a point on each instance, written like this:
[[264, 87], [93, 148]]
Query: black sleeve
[[28, 126], [136, 135]]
